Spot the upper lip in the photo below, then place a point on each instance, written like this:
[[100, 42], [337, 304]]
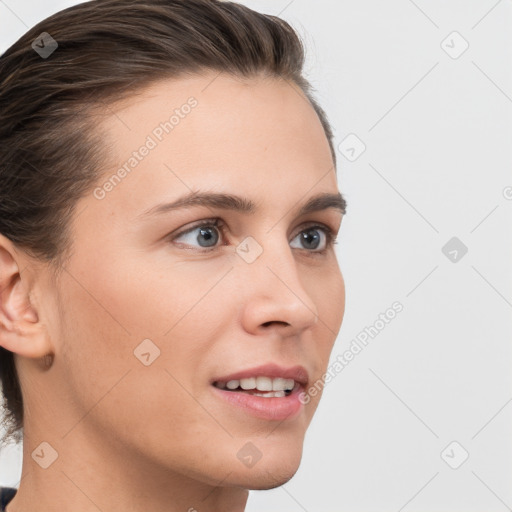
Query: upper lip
[[297, 373]]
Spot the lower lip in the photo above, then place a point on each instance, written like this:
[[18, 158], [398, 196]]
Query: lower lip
[[274, 408]]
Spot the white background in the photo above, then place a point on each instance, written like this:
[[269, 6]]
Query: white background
[[438, 137]]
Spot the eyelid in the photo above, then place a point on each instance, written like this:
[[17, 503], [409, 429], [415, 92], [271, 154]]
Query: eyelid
[[214, 221]]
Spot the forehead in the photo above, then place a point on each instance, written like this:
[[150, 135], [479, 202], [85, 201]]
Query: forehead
[[202, 109], [216, 132]]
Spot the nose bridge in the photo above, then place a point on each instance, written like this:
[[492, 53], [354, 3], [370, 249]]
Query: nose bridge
[[274, 290]]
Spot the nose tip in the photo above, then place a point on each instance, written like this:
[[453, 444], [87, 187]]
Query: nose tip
[[279, 300]]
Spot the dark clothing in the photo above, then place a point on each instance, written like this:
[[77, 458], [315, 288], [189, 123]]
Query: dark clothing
[[6, 495]]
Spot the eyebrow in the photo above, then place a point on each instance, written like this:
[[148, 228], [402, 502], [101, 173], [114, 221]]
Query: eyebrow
[[224, 201]]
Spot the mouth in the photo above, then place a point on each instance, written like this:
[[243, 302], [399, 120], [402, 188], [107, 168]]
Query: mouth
[[267, 392], [260, 386]]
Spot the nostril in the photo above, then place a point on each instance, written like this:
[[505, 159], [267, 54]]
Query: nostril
[[266, 324]]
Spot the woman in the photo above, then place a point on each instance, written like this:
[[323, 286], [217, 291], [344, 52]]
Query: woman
[[169, 287]]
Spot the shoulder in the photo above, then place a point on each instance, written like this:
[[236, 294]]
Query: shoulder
[[6, 495]]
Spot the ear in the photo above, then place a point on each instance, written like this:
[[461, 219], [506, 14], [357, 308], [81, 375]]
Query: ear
[[21, 330]]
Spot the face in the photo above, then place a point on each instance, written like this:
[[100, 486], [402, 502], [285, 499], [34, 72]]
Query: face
[[160, 307]]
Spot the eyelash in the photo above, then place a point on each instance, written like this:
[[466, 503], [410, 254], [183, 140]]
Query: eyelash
[[220, 225]]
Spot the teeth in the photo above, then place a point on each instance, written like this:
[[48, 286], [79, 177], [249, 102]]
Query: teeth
[[263, 383], [278, 394], [282, 384], [249, 383], [260, 383], [279, 384]]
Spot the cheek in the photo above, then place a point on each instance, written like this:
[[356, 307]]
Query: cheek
[[328, 293], [110, 386], [114, 323], [327, 290], [118, 318], [335, 299], [335, 289], [154, 295]]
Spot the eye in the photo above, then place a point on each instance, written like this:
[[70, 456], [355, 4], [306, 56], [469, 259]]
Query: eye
[[208, 232], [310, 238], [205, 234]]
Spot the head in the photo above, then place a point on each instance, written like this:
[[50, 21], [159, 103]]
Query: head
[[120, 317]]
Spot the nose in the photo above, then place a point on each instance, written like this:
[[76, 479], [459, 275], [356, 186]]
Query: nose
[[273, 294]]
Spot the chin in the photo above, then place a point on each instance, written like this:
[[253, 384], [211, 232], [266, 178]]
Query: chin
[[262, 482], [271, 471]]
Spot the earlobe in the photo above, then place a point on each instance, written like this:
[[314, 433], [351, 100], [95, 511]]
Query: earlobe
[[21, 331]]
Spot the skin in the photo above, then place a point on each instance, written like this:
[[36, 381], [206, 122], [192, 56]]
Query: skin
[[131, 437]]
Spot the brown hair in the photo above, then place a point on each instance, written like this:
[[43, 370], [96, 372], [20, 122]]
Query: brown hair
[[50, 152]]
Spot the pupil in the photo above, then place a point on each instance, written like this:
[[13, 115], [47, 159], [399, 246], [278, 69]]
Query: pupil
[[209, 235]]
